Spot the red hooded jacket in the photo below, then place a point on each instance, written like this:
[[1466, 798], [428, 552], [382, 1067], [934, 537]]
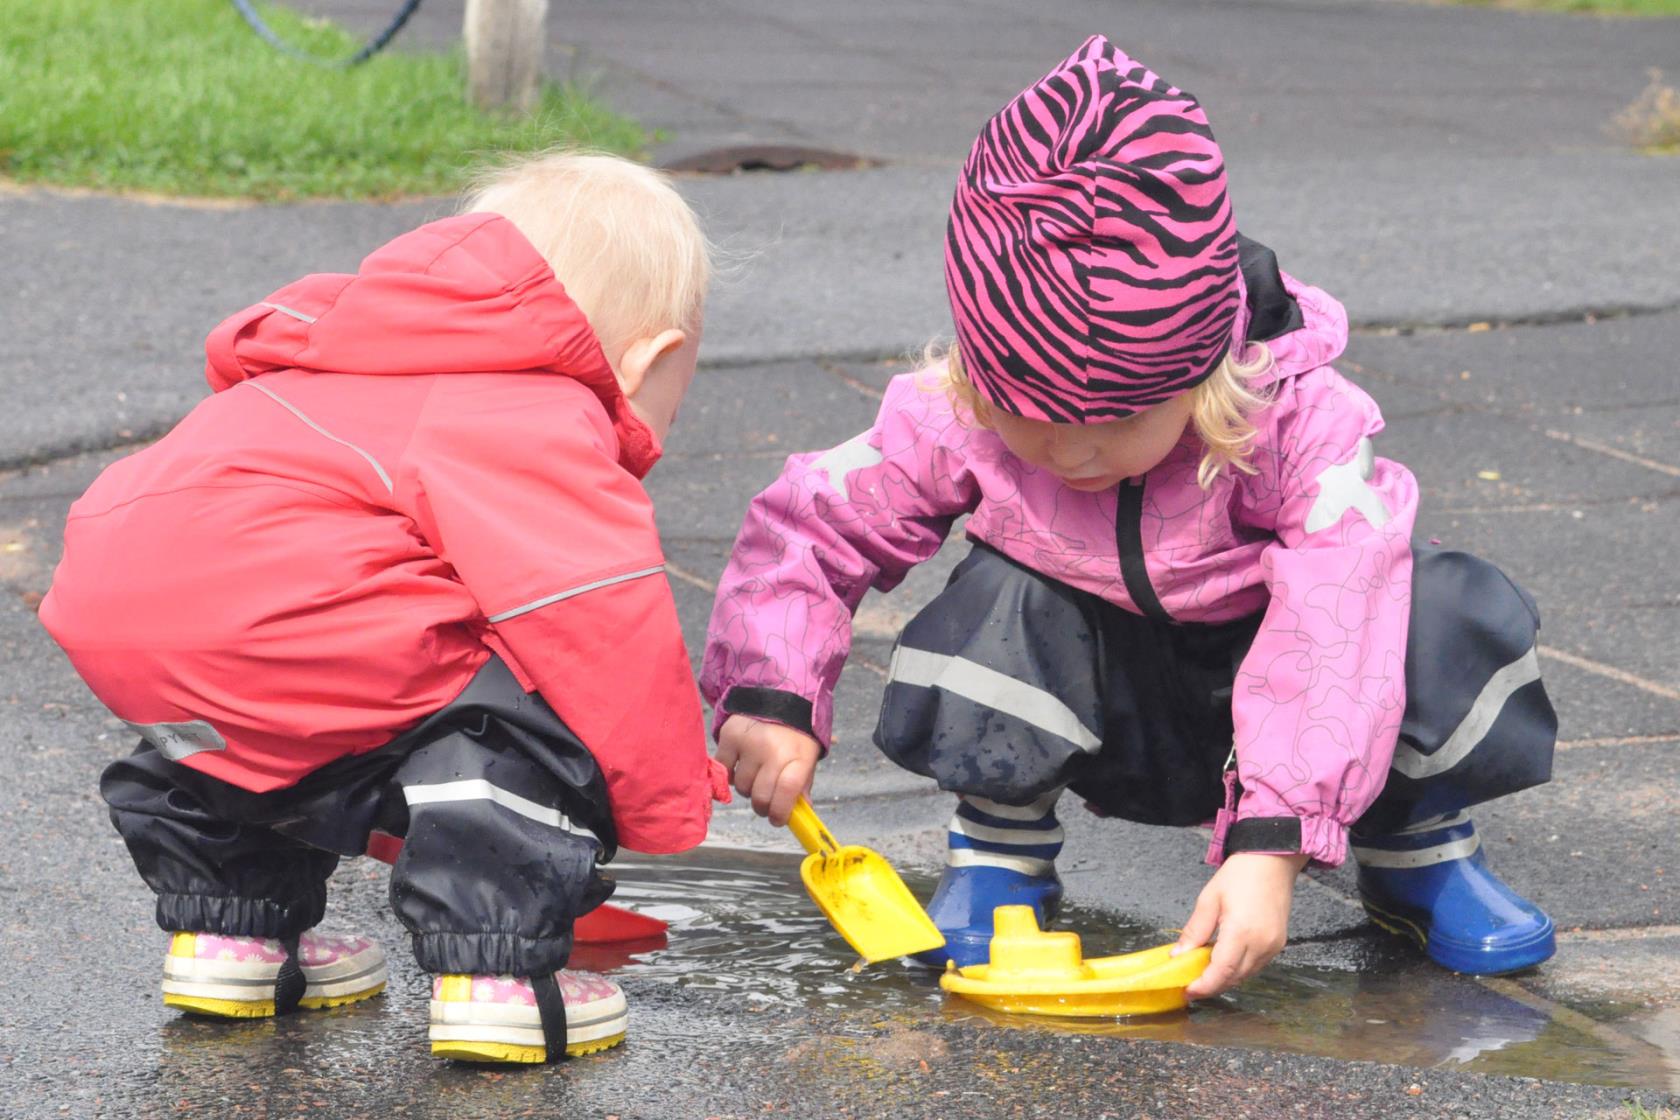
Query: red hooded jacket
[[399, 472]]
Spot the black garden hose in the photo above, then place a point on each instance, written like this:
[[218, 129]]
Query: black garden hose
[[370, 48]]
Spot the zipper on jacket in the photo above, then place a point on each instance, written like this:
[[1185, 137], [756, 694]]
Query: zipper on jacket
[[1128, 537]]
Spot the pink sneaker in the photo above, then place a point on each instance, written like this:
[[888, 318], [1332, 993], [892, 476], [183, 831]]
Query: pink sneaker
[[495, 1018], [236, 977]]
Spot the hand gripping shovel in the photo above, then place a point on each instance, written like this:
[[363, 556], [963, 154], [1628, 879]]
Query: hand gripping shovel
[[860, 894], [603, 925]]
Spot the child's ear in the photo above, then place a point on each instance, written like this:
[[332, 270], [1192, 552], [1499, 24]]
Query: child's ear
[[641, 356]]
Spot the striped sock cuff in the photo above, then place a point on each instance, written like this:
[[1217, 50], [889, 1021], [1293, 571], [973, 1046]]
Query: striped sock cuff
[[986, 833]]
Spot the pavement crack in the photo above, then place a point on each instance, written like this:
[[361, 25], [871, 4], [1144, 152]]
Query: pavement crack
[[1613, 452], [129, 439], [1562, 505], [1610, 672], [1663, 738], [1476, 324], [836, 370], [690, 578]]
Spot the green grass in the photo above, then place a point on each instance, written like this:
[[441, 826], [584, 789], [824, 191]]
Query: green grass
[[1651, 122], [1638, 1111], [1589, 7], [179, 97]]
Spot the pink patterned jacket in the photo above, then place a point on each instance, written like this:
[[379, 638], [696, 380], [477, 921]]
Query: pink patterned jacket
[[1318, 539]]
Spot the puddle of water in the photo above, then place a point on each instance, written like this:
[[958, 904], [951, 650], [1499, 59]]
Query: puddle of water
[[744, 924], [741, 922]]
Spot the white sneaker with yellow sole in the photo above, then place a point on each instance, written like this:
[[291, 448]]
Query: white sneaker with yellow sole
[[254, 977], [498, 1018]]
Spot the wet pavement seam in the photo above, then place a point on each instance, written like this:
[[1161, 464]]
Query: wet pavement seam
[[835, 369], [127, 438], [1609, 672], [1472, 324], [1618, 933], [1569, 506], [1671, 738], [1613, 452], [689, 577]]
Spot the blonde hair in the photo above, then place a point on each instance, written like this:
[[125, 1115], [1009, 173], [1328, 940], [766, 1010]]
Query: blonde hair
[[617, 234], [1220, 407]]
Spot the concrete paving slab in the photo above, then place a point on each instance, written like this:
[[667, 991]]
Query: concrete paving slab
[[1597, 710], [1647, 435], [1635, 639], [1607, 384], [110, 300], [1543, 370], [1602, 586], [708, 504], [1595, 847], [769, 410], [1630, 967], [1472, 462]]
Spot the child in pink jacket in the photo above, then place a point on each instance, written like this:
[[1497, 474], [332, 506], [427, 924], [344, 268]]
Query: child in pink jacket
[[1192, 592]]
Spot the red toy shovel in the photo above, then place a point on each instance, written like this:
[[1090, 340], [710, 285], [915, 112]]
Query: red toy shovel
[[604, 925]]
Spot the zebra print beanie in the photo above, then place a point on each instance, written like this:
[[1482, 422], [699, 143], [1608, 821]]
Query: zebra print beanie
[[1091, 254]]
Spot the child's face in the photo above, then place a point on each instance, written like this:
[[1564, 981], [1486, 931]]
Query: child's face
[[1094, 457], [656, 373]]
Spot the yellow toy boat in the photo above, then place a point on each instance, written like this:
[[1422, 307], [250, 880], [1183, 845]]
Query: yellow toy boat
[[1037, 973]]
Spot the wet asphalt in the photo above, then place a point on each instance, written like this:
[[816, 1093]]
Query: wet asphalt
[[1509, 270]]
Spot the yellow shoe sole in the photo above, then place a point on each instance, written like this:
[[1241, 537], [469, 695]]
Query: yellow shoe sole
[[1395, 924], [257, 1009], [506, 1053]]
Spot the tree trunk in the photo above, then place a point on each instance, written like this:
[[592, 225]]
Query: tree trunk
[[505, 40]]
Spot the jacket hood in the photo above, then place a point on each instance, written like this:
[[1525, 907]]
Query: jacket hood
[[467, 294], [1318, 341]]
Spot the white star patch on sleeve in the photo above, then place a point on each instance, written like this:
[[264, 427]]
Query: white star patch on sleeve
[[1348, 486], [839, 463]]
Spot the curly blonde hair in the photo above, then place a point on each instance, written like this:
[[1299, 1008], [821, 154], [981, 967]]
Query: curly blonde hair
[[1220, 406]]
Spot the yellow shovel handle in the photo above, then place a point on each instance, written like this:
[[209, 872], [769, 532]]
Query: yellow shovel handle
[[808, 828]]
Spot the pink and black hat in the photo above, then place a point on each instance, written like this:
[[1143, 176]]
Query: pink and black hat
[[1091, 255]]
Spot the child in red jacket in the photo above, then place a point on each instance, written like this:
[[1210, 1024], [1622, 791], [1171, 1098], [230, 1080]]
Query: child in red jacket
[[399, 572]]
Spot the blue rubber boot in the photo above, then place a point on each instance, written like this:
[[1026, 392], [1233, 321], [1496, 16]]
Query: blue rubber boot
[[997, 855], [1431, 883]]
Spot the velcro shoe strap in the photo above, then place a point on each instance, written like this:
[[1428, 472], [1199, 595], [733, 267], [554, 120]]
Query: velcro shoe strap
[[551, 1008], [289, 984]]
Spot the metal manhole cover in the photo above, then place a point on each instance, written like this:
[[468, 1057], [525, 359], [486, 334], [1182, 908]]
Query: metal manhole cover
[[768, 157]]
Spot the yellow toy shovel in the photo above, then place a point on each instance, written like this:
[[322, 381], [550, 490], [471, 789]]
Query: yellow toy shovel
[[860, 894]]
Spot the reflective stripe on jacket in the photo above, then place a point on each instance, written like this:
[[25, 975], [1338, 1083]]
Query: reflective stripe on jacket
[[399, 472]]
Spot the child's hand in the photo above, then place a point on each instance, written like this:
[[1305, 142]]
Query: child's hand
[[768, 762], [1247, 900]]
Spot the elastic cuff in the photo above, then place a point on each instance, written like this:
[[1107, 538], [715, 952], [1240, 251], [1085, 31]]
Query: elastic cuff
[[491, 953], [1267, 835], [1325, 839], [240, 917]]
